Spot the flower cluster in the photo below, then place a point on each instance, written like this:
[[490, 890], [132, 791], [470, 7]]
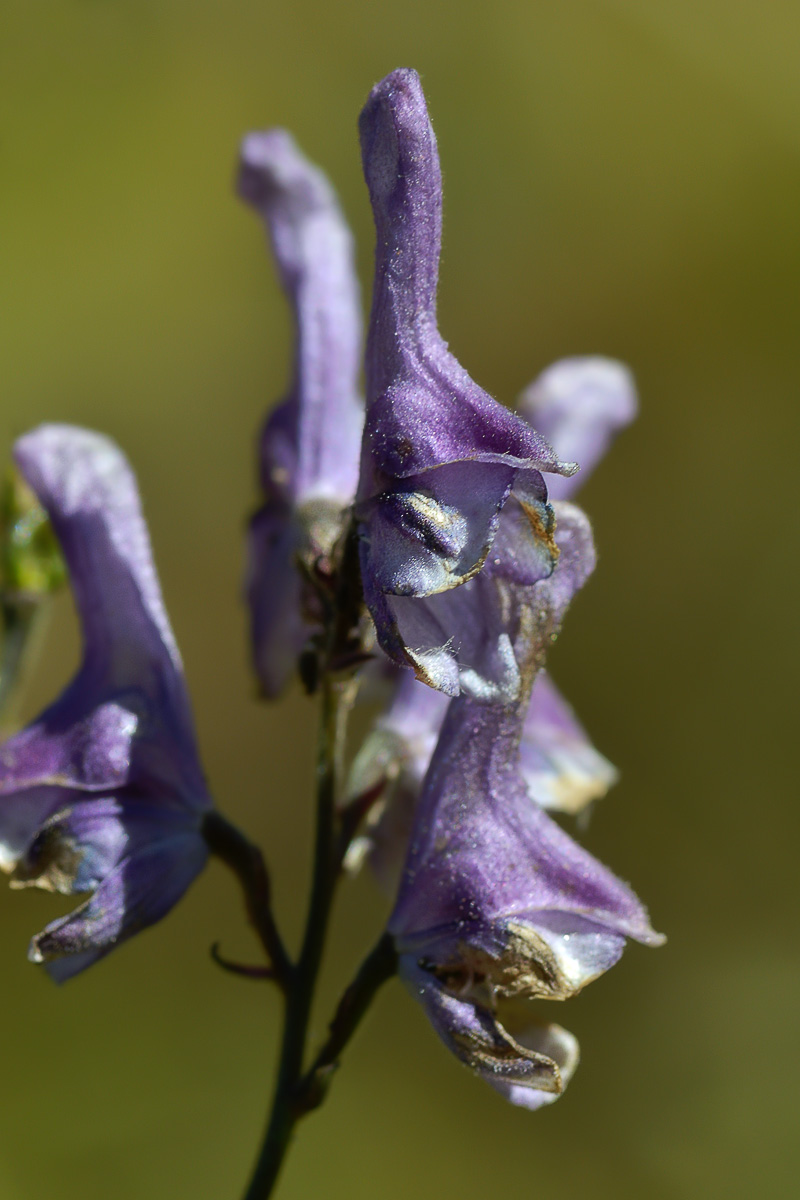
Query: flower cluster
[[450, 518]]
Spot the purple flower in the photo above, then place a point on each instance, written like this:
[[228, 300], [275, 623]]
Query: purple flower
[[579, 403], [310, 442], [498, 905], [104, 792], [451, 490], [560, 768]]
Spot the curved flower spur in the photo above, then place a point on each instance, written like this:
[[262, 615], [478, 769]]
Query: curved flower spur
[[451, 487], [104, 792], [498, 905], [310, 443]]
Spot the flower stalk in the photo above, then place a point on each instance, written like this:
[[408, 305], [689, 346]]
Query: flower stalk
[[336, 699]]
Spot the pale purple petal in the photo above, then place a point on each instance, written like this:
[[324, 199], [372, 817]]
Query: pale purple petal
[[71, 748], [454, 641], [529, 1075], [579, 404], [130, 684], [560, 766], [430, 531], [139, 891], [89, 491], [81, 844]]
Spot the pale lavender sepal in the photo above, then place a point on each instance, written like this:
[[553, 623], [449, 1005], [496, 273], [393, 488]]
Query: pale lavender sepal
[[119, 742], [482, 855], [310, 443], [562, 770], [135, 894], [579, 404], [530, 1069], [440, 457], [312, 440]]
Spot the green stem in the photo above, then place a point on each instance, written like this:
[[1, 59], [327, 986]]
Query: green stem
[[286, 1110]]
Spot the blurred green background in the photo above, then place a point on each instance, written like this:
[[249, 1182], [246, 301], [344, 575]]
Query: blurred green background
[[621, 177]]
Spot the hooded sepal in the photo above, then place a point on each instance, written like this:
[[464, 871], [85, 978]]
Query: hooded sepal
[[109, 774], [440, 457], [311, 441]]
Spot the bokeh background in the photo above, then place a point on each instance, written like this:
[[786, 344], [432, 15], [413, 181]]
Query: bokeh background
[[622, 177]]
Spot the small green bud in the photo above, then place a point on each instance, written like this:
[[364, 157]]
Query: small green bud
[[31, 566], [31, 569]]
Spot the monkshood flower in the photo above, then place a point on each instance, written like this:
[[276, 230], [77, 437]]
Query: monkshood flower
[[103, 793], [310, 443], [451, 488], [579, 404], [498, 906]]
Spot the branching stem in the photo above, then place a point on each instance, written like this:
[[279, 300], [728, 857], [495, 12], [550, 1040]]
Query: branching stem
[[376, 968], [297, 1093], [286, 1107]]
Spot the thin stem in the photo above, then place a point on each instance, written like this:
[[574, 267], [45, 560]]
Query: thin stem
[[243, 970], [247, 862], [286, 1111]]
